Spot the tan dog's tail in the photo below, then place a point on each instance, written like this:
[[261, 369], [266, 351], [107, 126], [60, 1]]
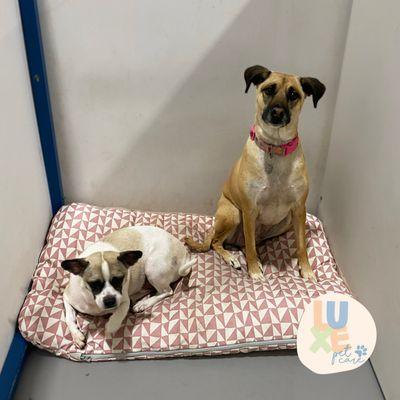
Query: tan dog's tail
[[201, 247]]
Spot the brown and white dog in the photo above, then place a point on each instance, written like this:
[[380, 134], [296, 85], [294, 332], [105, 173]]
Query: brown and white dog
[[111, 274], [266, 192]]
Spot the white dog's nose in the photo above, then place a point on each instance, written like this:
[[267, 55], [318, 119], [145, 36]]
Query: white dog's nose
[[109, 301]]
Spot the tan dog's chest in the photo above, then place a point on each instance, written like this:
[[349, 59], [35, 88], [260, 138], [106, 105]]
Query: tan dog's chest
[[278, 188]]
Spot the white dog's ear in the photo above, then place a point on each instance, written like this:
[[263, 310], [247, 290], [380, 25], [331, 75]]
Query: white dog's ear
[[255, 75], [76, 266], [313, 87], [128, 258]]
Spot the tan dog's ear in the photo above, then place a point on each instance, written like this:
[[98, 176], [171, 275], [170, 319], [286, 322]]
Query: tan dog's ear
[[313, 87], [75, 266], [129, 258], [255, 75]]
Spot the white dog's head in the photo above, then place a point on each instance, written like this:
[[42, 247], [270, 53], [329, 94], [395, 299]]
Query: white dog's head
[[104, 274]]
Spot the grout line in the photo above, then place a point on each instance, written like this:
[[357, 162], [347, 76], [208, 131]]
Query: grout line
[[377, 380]]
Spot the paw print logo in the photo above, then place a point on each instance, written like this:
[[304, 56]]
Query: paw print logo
[[361, 350]]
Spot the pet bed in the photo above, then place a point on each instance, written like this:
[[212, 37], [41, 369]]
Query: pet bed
[[223, 311]]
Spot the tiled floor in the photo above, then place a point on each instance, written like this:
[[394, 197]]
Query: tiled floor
[[266, 376]]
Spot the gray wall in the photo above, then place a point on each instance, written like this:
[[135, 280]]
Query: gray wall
[[361, 193], [148, 97], [24, 201]]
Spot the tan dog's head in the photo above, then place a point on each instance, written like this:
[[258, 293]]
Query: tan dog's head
[[104, 274], [280, 96]]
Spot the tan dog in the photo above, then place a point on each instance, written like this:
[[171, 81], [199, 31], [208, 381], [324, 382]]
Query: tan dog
[[266, 192]]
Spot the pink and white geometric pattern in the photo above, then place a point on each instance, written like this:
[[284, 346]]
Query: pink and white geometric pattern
[[223, 311]]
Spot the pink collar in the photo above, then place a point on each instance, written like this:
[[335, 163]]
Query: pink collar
[[281, 150]]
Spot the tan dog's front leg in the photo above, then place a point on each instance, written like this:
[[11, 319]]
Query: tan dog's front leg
[[299, 226], [253, 263], [227, 218]]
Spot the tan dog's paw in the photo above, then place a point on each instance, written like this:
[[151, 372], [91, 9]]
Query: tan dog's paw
[[79, 339], [256, 271], [307, 273], [232, 260]]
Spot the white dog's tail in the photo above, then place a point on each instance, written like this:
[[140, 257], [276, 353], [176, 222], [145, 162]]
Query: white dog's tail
[[187, 267]]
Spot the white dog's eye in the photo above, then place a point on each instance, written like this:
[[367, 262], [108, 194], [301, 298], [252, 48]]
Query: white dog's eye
[[116, 282], [96, 286]]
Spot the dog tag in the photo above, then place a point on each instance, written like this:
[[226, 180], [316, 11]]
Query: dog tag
[[269, 168]]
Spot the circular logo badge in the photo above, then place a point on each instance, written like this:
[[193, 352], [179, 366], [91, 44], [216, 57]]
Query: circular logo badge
[[336, 333]]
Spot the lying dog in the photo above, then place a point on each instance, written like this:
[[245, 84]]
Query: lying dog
[[267, 189], [109, 275]]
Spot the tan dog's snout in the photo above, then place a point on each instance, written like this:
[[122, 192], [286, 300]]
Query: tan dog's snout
[[276, 115]]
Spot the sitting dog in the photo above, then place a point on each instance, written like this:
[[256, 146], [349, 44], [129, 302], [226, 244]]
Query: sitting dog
[[266, 192], [109, 274]]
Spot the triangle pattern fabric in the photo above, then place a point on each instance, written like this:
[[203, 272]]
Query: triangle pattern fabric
[[223, 311]]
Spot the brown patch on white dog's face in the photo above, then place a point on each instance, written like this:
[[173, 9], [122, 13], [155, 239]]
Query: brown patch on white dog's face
[[93, 271], [279, 96], [104, 268], [104, 274]]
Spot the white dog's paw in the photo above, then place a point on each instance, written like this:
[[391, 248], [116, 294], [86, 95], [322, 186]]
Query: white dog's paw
[[111, 327], [79, 339], [232, 261], [141, 305]]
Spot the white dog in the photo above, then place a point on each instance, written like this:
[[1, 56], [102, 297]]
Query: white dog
[[112, 272]]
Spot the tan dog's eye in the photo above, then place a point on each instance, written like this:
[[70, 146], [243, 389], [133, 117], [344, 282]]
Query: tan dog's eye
[[292, 95], [269, 90]]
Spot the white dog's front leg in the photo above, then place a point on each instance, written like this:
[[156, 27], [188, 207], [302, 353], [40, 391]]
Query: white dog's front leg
[[70, 318], [115, 321]]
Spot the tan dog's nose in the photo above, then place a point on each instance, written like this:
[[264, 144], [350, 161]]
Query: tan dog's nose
[[278, 113]]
